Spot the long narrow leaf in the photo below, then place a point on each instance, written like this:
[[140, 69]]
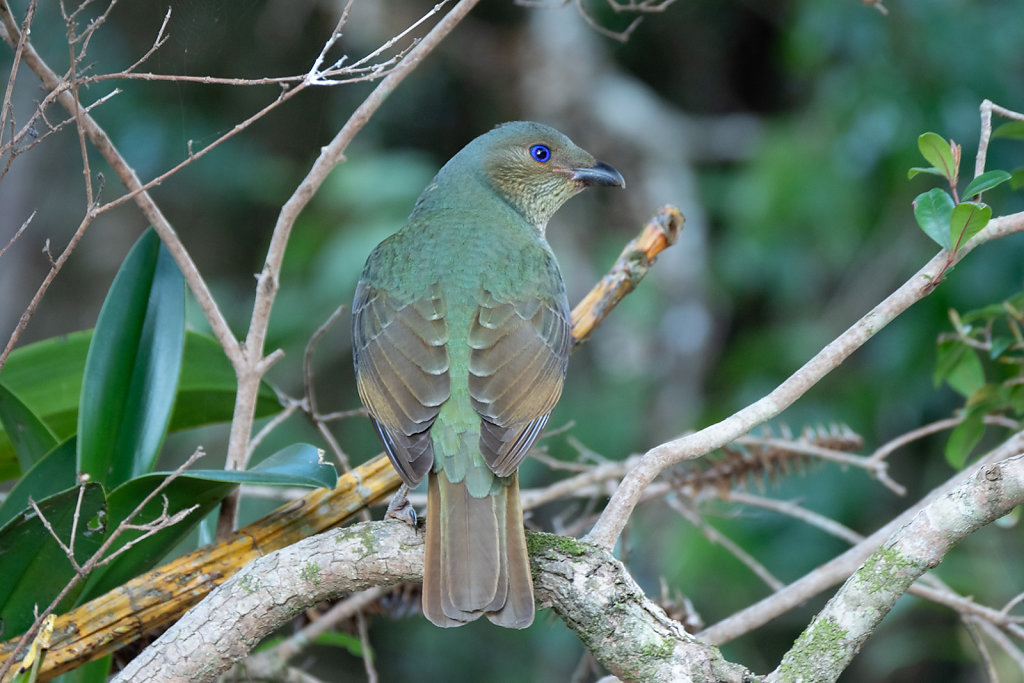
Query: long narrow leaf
[[55, 472], [30, 438], [131, 372], [33, 566], [47, 377], [180, 494]]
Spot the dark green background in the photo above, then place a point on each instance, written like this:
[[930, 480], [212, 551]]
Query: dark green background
[[785, 132]]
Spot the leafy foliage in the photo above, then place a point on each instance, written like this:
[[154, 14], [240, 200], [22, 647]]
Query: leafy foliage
[[101, 476], [983, 361], [948, 222]]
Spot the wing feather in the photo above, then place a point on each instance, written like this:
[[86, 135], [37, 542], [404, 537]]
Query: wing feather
[[402, 371], [520, 352]]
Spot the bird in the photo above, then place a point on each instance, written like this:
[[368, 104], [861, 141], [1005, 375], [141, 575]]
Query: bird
[[460, 338]]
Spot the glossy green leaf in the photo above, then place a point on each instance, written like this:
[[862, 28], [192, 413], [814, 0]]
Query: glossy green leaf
[[986, 399], [959, 366], [33, 565], [131, 371], [967, 220], [47, 376], [180, 494], [30, 438], [938, 153], [986, 181], [297, 465], [933, 210], [1010, 129], [911, 173], [53, 473]]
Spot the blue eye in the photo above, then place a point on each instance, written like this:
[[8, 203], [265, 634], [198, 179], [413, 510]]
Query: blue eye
[[540, 153]]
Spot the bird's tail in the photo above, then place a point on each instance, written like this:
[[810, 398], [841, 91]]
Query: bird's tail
[[476, 560]]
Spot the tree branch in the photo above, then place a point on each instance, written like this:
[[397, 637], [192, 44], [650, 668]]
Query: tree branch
[[587, 587], [838, 632], [609, 526], [841, 567]]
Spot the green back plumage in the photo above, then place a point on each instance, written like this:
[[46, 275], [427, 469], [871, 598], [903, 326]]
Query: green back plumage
[[461, 342]]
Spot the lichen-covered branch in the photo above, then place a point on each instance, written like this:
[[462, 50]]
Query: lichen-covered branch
[[839, 568], [589, 589], [837, 633], [585, 585]]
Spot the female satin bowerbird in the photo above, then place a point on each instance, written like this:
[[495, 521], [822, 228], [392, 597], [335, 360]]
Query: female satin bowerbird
[[461, 340]]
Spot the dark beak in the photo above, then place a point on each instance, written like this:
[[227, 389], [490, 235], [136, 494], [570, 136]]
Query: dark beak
[[599, 174]]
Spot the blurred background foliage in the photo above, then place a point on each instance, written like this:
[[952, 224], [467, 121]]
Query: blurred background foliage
[[783, 130]]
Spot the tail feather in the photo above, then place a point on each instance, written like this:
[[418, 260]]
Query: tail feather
[[517, 611], [476, 560]]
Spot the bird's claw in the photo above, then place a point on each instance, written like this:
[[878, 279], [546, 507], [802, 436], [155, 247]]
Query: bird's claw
[[400, 508]]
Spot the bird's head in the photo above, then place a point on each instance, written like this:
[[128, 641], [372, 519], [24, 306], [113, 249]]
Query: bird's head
[[535, 168]]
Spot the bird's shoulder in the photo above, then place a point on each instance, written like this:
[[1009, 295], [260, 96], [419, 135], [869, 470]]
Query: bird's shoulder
[[464, 249]]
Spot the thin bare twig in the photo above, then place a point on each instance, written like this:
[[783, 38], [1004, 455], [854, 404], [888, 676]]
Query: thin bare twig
[[842, 566], [795, 511], [717, 537], [19, 48], [364, 640], [987, 109], [253, 363], [98, 558], [606, 532], [24, 226]]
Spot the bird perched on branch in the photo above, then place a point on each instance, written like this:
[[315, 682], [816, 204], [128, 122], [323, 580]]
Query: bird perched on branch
[[461, 340]]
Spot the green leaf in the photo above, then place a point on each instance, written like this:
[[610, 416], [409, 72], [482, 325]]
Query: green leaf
[[30, 438], [131, 372], [348, 641], [182, 493], [297, 465], [921, 169], [1015, 398], [938, 153], [33, 565], [999, 345], [933, 210], [1017, 179], [987, 399], [96, 671], [1010, 129], [55, 472], [206, 389], [963, 439], [959, 366], [47, 377], [986, 181], [967, 220]]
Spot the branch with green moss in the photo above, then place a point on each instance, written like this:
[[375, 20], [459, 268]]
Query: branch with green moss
[[837, 633], [589, 589]]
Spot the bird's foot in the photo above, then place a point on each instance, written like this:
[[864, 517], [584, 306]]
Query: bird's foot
[[400, 508]]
